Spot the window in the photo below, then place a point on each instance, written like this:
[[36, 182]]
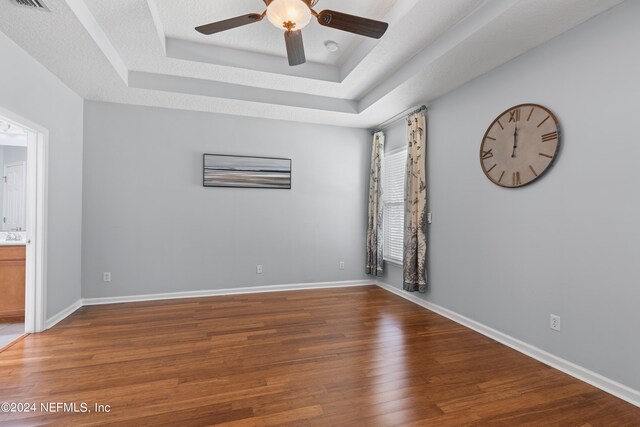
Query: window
[[393, 176]]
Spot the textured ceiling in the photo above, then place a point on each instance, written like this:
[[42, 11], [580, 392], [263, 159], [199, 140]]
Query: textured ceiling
[[145, 52]]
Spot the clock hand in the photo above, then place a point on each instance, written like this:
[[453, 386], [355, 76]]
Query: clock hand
[[515, 140]]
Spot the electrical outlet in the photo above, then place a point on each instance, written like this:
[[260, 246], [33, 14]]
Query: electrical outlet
[[341, 265], [259, 269], [106, 276], [554, 322]]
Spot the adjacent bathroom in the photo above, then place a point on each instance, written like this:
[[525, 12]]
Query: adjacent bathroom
[[13, 188]]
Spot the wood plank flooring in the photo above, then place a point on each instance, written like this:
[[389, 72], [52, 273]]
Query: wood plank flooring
[[337, 357]]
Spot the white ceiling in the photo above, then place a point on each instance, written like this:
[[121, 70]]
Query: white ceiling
[[145, 52]]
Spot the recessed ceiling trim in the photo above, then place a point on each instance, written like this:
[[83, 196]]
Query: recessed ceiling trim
[[200, 52], [157, 23], [218, 55], [458, 53], [214, 89], [366, 46], [86, 18], [483, 16]]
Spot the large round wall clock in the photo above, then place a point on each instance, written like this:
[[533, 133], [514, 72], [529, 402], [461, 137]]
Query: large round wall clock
[[520, 145]]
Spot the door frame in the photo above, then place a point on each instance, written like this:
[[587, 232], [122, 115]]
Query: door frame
[[35, 314]]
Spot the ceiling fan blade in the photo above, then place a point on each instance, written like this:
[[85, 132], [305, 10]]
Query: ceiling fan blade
[[228, 24], [295, 47], [353, 24]]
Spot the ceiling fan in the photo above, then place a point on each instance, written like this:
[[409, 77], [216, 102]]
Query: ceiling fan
[[293, 16]]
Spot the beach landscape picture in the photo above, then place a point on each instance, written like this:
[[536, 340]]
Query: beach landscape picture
[[246, 172]]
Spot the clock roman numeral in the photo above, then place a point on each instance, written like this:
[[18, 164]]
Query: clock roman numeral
[[502, 127], [533, 170], [549, 136], [516, 179], [501, 176], [514, 115], [531, 113], [488, 137], [542, 122], [487, 154], [546, 155], [492, 167]]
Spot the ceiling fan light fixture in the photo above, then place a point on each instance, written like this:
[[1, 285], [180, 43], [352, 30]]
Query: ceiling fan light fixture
[[289, 14]]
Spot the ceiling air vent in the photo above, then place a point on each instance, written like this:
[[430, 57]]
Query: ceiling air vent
[[34, 4]]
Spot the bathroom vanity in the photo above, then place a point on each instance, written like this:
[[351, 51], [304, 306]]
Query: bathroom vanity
[[13, 221], [12, 280]]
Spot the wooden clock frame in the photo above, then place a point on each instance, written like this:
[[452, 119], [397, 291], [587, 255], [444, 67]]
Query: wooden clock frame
[[515, 108]]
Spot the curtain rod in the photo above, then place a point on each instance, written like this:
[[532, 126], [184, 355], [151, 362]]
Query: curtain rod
[[397, 117]]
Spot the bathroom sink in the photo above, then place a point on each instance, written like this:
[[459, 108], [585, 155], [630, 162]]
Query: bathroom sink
[[13, 238]]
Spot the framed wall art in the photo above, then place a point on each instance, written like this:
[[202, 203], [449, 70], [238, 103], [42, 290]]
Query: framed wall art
[[221, 170]]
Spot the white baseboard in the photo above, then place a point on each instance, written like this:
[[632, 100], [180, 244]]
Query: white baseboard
[[206, 293], [63, 314], [230, 291], [603, 383]]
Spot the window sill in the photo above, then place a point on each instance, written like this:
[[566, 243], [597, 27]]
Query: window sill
[[393, 261]]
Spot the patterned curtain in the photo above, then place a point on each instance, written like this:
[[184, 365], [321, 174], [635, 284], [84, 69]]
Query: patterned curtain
[[415, 205], [374, 231]]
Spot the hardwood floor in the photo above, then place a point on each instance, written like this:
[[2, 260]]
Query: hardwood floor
[[350, 356]]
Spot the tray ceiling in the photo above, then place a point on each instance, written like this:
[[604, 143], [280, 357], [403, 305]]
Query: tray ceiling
[[146, 52], [178, 22]]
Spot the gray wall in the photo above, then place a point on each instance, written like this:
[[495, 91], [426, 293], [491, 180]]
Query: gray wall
[[149, 221], [31, 91], [568, 244]]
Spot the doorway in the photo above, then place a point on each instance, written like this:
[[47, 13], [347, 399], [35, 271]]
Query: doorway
[[22, 227]]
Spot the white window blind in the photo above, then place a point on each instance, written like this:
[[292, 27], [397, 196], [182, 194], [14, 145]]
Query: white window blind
[[393, 177]]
